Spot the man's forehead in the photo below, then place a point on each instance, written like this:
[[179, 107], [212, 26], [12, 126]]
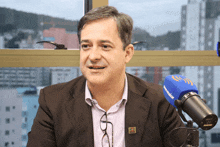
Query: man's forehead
[[101, 22]]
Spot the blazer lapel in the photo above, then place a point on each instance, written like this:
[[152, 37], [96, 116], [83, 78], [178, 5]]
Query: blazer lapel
[[80, 115], [136, 113]]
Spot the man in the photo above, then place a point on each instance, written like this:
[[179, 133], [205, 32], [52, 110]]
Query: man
[[106, 106]]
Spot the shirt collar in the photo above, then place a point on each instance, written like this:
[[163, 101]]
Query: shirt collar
[[88, 96]]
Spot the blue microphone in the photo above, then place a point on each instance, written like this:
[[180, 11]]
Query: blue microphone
[[175, 86], [182, 92]]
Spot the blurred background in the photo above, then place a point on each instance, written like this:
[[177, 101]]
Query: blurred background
[[162, 25]]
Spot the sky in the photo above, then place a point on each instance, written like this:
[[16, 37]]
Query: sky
[[155, 16]]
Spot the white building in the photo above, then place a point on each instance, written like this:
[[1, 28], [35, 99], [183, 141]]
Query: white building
[[2, 44], [24, 76], [10, 118], [64, 74], [200, 30]]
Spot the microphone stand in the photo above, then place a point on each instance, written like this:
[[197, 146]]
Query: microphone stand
[[192, 139]]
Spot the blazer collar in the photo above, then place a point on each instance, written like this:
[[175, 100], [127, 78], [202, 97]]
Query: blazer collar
[[80, 114], [136, 111]]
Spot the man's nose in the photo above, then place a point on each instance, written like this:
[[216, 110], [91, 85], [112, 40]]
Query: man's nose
[[95, 54]]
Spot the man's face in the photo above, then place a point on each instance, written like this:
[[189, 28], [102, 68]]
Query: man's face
[[102, 58]]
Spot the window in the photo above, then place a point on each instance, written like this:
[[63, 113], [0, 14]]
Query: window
[[24, 126], [24, 113], [154, 30], [6, 144], [7, 109], [24, 137], [215, 137], [7, 132], [7, 120]]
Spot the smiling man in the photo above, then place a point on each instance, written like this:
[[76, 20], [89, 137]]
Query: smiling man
[[106, 106], [103, 60]]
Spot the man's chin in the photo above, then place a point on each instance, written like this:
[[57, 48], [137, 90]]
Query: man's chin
[[96, 80]]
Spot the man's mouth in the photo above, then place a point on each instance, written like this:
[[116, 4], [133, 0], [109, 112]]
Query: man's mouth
[[91, 67]]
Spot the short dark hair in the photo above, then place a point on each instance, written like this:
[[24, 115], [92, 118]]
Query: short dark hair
[[124, 22]]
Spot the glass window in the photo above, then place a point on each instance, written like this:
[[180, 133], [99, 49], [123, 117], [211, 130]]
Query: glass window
[[155, 22], [7, 132], [7, 120], [7, 108], [24, 113], [158, 23], [6, 144], [24, 137], [24, 24]]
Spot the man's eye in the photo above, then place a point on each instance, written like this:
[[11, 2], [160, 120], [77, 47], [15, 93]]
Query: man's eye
[[106, 46], [84, 46]]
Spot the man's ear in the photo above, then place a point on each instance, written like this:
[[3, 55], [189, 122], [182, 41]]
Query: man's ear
[[129, 52]]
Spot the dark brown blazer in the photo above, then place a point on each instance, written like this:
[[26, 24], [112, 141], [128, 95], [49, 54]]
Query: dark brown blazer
[[64, 119]]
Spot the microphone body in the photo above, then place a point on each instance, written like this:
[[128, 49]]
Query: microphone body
[[182, 92]]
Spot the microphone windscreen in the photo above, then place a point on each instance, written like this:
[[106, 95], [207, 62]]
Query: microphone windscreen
[[175, 86]]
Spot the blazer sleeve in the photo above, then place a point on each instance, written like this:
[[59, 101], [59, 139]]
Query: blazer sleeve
[[42, 131], [172, 127]]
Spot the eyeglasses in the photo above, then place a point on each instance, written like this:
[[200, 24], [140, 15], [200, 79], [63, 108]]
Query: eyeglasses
[[103, 126]]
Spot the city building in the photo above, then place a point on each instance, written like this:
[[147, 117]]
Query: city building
[[24, 77], [59, 36], [2, 44], [10, 118], [200, 30], [18, 108], [64, 74], [30, 106], [149, 74]]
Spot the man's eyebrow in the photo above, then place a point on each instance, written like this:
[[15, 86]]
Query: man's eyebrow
[[106, 41], [102, 41], [84, 41]]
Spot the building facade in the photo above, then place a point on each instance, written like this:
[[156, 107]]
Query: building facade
[[59, 35], [24, 77], [200, 30], [18, 108], [10, 118], [64, 74]]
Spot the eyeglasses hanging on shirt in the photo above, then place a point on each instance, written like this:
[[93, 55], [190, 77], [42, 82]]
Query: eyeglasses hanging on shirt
[[103, 126]]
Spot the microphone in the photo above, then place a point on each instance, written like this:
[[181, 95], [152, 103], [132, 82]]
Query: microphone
[[182, 93]]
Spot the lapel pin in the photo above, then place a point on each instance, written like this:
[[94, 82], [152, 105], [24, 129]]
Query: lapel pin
[[131, 130]]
